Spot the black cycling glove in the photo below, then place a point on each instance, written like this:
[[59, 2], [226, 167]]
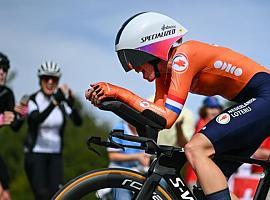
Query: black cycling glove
[[70, 101], [59, 96]]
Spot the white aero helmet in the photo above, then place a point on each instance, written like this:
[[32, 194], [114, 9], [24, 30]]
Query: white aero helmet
[[146, 37], [49, 69]]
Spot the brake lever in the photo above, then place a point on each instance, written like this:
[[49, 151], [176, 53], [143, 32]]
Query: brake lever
[[148, 144], [99, 142], [116, 145]]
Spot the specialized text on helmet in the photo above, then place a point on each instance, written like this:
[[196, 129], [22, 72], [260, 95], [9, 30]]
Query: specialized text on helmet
[[157, 35]]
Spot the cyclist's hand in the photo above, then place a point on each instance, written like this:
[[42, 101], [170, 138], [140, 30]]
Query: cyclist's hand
[[6, 118], [100, 91], [89, 93]]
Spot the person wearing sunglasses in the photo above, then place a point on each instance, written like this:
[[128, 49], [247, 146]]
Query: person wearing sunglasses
[[47, 112], [152, 44], [6, 118], [6, 95], [9, 116]]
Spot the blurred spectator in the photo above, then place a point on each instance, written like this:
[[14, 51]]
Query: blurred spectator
[[262, 153], [47, 111], [176, 136], [7, 117], [7, 100], [171, 136], [22, 107], [244, 182], [211, 107], [130, 158]]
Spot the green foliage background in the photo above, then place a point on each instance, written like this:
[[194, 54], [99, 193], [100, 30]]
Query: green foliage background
[[77, 158]]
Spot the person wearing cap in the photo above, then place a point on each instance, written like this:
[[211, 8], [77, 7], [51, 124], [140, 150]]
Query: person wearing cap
[[211, 107], [47, 112]]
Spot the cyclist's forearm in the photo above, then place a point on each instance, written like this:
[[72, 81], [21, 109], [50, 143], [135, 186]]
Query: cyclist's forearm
[[141, 104], [114, 156]]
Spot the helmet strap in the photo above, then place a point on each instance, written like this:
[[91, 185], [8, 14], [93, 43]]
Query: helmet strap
[[154, 63]]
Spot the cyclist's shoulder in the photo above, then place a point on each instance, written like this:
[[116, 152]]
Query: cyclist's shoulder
[[197, 51], [194, 44], [192, 47]]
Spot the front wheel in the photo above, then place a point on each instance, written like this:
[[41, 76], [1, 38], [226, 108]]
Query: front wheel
[[93, 184]]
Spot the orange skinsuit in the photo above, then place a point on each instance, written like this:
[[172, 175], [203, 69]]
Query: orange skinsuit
[[199, 68]]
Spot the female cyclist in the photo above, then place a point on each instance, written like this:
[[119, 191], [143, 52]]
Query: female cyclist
[[151, 43]]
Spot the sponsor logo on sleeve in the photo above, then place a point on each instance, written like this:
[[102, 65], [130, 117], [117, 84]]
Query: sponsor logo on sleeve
[[229, 68], [180, 63], [241, 109], [223, 118], [144, 104]]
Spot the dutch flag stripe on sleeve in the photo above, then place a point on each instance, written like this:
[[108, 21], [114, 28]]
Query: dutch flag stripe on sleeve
[[174, 103]]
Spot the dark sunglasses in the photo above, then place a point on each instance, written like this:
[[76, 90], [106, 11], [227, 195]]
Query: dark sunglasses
[[4, 68], [47, 78]]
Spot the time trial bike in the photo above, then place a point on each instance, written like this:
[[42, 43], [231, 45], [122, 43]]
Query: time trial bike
[[163, 180]]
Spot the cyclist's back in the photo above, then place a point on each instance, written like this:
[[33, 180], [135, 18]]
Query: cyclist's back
[[210, 69]]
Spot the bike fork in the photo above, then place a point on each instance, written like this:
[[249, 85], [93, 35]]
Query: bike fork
[[148, 187]]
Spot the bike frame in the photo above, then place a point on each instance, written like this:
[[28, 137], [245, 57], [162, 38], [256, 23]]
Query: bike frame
[[166, 165], [169, 170]]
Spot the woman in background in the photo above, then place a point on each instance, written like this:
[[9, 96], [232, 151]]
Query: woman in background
[[47, 111]]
